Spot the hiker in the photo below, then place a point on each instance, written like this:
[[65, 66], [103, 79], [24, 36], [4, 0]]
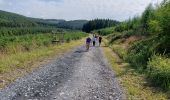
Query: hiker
[[94, 40], [100, 40], [88, 41], [96, 36]]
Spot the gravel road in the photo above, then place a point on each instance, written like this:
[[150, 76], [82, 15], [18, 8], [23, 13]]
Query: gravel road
[[78, 75]]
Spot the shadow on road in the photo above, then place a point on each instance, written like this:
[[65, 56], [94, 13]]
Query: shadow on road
[[80, 51]]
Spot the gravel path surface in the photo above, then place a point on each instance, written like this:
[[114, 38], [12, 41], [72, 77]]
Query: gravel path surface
[[78, 75]]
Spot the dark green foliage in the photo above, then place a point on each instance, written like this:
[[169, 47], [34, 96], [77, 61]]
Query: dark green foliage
[[146, 17], [140, 52], [164, 24], [115, 37], [68, 40], [105, 31], [140, 25], [75, 24], [151, 54], [47, 22], [131, 24], [159, 71], [98, 24], [14, 20], [23, 31], [120, 35]]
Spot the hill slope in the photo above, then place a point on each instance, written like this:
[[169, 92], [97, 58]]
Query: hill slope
[[47, 22], [75, 24], [8, 19]]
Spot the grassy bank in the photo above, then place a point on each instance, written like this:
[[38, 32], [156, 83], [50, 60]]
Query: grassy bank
[[17, 62], [134, 83]]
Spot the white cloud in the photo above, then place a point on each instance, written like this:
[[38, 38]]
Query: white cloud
[[77, 9]]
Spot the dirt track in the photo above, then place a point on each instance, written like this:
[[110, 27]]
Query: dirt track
[[78, 75]]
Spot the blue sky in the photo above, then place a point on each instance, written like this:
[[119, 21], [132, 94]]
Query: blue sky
[[77, 9]]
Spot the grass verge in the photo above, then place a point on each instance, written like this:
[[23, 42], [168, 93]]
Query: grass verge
[[21, 63], [134, 83]]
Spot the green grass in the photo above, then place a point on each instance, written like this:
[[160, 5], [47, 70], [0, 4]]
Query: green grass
[[134, 83], [13, 44], [120, 51], [139, 55], [153, 29], [105, 31], [19, 52], [28, 44], [18, 64], [159, 71], [139, 84]]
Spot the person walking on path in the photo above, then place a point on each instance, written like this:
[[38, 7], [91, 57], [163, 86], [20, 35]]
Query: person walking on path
[[88, 41], [100, 40], [94, 40]]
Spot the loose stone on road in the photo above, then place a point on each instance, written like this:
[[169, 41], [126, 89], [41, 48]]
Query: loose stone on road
[[78, 75]]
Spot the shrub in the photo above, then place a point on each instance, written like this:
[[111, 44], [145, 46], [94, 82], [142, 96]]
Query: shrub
[[27, 42], [139, 53], [159, 71], [68, 40], [121, 52], [106, 31]]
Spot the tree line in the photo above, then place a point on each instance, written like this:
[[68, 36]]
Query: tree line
[[152, 53], [98, 24], [154, 21]]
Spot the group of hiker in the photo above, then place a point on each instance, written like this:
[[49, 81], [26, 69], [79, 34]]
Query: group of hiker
[[94, 40]]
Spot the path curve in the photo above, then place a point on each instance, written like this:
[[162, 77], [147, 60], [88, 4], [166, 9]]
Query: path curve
[[78, 75]]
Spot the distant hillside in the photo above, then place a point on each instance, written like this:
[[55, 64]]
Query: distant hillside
[[47, 22], [75, 24], [8, 19]]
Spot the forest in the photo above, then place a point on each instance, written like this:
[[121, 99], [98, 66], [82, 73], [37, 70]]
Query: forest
[[98, 24]]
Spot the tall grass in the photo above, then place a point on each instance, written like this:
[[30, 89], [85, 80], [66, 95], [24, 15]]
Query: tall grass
[[153, 25], [159, 71], [105, 31], [16, 51], [13, 44]]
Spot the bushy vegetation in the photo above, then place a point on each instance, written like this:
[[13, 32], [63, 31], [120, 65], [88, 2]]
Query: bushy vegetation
[[140, 52], [20, 33], [159, 71], [158, 41], [24, 41], [28, 42], [139, 25], [105, 31], [154, 26], [25, 30], [98, 24], [131, 24], [155, 23]]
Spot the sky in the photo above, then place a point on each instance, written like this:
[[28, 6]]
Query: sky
[[77, 9]]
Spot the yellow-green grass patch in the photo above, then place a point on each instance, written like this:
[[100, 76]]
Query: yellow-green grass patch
[[19, 64]]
